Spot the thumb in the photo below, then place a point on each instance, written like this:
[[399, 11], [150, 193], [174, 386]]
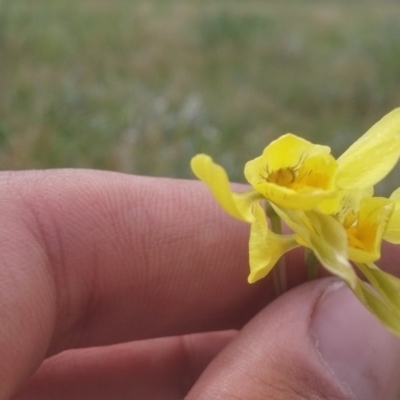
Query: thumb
[[315, 342]]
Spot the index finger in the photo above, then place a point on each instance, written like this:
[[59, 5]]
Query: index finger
[[123, 257]]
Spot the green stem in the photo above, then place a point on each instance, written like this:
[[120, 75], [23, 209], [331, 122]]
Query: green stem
[[312, 264], [279, 271]]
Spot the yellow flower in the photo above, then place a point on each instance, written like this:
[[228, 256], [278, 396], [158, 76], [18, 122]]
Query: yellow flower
[[365, 220], [329, 206], [293, 173], [358, 242]]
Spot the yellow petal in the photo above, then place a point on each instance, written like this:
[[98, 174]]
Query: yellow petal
[[325, 236], [265, 247], [386, 285], [290, 150], [329, 243], [373, 156], [378, 307], [344, 201], [392, 233], [293, 173], [365, 236], [238, 205]]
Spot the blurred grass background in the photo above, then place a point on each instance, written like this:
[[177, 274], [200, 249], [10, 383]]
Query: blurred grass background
[[141, 86]]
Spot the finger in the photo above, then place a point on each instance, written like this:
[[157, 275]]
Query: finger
[[157, 369], [93, 258], [128, 257], [315, 342]]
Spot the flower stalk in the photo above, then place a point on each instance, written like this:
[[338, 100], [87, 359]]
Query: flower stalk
[[312, 264]]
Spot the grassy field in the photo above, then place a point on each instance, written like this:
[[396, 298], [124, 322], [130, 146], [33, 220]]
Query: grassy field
[[141, 86]]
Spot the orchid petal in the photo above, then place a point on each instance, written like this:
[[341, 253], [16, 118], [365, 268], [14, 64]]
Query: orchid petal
[[392, 233], [238, 205], [365, 237], [265, 246], [325, 236], [378, 307], [373, 156], [344, 201], [386, 285]]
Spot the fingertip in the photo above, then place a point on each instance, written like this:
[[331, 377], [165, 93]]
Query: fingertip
[[361, 353], [274, 355]]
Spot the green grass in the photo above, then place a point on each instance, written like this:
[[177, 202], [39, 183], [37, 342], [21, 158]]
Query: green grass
[[141, 86]]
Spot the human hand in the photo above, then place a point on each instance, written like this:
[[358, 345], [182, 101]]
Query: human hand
[[95, 263]]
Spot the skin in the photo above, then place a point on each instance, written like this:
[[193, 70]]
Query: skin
[[117, 286]]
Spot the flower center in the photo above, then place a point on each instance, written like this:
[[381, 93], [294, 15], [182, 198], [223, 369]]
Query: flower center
[[282, 176]]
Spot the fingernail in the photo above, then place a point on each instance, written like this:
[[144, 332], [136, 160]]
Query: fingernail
[[361, 353]]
